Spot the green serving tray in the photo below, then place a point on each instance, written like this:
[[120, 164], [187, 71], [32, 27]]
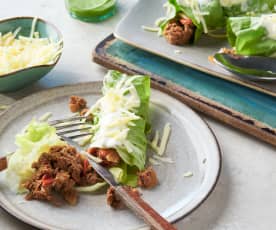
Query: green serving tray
[[246, 109]]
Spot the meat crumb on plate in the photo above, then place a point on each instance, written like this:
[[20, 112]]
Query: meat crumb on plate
[[147, 178]]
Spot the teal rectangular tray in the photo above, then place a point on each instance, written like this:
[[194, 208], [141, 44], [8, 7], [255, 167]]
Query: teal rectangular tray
[[246, 109]]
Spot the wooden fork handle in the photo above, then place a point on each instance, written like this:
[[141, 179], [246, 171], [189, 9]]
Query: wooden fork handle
[[3, 163], [133, 201]]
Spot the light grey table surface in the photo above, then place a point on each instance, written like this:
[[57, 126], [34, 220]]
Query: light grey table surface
[[245, 197]]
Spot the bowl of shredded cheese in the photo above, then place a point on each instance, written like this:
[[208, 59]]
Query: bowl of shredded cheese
[[29, 49]]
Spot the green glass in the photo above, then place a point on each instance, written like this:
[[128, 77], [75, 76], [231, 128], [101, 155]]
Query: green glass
[[91, 10]]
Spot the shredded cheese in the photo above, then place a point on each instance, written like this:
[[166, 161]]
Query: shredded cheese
[[188, 174], [198, 14], [160, 149], [33, 28], [153, 161], [150, 29], [154, 143], [165, 138], [163, 159], [45, 117], [177, 51], [117, 112], [19, 52], [268, 21]]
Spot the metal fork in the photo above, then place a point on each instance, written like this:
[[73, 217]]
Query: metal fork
[[64, 127]]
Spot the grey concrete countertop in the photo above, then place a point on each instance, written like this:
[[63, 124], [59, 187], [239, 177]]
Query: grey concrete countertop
[[245, 197]]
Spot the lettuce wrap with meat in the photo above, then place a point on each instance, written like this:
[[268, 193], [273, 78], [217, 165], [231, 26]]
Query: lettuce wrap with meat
[[121, 118], [204, 15], [253, 35], [187, 20]]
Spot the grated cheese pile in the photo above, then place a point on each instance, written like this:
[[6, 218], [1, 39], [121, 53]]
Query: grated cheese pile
[[22, 52]]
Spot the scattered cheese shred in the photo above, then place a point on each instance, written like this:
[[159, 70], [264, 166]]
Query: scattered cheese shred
[[163, 159], [165, 138], [19, 52], [45, 117], [153, 161], [177, 51], [33, 28], [154, 143], [160, 149], [188, 174], [150, 29]]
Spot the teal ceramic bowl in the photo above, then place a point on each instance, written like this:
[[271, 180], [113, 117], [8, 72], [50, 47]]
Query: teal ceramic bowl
[[24, 77]]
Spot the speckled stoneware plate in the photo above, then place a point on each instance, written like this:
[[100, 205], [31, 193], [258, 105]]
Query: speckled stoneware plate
[[192, 146], [195, 56]]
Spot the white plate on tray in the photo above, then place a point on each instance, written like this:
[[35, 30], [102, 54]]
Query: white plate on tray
[[145, 13], [192, 146]]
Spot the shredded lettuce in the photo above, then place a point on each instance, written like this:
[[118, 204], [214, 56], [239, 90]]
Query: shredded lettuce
[[35, 139]]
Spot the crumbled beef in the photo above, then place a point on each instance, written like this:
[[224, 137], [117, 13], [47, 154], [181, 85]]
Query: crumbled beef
[[147, 178], [109, 157], [114, 201], [77, 104], [179, 31], [59, 171]]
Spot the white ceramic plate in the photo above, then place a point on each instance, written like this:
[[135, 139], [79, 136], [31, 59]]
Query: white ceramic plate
[[145, 13], [192, 146]]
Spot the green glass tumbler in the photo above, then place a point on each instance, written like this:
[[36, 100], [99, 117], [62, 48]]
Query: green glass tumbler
[[91, 10]]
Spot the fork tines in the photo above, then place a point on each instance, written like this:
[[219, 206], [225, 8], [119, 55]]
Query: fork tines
[[62, 121], [77, 124]]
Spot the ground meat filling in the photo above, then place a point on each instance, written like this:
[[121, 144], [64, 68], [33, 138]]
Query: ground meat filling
[[58, 172], [77, 104], [114, 201], [109, 157], [179, 31], [147, 178]]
